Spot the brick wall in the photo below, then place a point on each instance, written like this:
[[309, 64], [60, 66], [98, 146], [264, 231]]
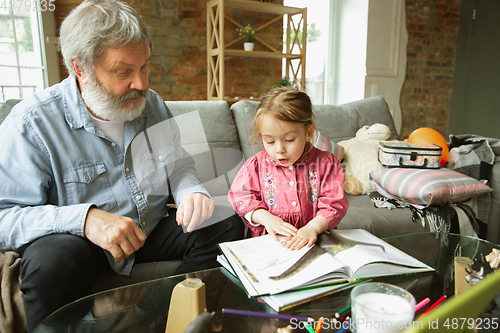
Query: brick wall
[[178, 66], [179, 70], [432, 36]]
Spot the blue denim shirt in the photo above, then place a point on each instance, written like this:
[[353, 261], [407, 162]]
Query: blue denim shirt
[[55, 163]]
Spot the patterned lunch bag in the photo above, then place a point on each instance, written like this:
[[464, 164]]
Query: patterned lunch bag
[[409, 155]]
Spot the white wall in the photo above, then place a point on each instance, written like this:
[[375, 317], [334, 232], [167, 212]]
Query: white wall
[[386, 53]]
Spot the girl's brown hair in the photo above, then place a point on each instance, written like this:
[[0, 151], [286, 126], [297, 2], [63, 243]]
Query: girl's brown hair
[[286, 104]]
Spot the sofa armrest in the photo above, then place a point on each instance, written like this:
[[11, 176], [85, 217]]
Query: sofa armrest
[[494, 220], [6, 106], [495, 181]]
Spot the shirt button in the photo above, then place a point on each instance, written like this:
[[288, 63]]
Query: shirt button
[[291, 183], [290, 167], [138, 197], [113, 144], [127, 169], [294, 203], [160, 157], [144, 223]]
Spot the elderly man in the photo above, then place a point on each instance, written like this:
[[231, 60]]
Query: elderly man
[[88, 165]]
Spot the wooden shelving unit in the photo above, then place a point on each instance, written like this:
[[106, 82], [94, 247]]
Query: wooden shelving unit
[[218, 49]]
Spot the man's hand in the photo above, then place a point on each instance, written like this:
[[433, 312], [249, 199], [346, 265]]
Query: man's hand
[[193, 210], [120, 235]]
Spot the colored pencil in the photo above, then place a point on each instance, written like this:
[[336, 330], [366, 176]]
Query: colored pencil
[[422, 303], [338, 314], [318, 325], [344, 315], [439, 301], [309, 328], [345, 326], [265, 315]]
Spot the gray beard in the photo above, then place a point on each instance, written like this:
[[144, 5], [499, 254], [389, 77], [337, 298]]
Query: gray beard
[[107, 106]]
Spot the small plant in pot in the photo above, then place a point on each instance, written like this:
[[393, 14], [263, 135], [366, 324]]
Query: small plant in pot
[[248, 34], [285, 82]]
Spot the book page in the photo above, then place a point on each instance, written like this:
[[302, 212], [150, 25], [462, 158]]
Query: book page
[[360, 259], [264, 254]]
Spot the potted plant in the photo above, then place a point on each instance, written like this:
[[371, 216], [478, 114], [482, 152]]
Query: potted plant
[[285, 82], [248, 34]]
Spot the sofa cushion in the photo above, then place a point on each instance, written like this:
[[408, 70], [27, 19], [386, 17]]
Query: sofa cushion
[[322, 142], [425, 187], [208, 133], [243, 113], [341, 122], [337, 123]]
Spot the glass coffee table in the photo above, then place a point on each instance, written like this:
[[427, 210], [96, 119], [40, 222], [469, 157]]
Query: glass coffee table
[[144, 307]]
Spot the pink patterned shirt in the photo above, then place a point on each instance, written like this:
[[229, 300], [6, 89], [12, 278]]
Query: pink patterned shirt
[[314, 185]]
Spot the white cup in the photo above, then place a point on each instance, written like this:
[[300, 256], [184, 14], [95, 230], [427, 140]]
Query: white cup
[[381, 307]]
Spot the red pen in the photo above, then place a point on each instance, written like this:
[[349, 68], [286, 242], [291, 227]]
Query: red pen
[[439, 301]]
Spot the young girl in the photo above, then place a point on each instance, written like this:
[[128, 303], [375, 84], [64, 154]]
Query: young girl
[[291, 188]]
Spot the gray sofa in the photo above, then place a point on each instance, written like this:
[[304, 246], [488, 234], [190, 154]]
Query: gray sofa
[[226, 129], [217, 137]]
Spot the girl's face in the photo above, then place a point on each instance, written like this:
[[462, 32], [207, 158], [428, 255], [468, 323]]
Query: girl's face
[[284, 141]]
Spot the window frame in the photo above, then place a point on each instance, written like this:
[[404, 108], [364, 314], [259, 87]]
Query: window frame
[[48, 51]]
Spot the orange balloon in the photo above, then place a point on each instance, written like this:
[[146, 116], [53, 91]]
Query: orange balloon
[[429, 135]]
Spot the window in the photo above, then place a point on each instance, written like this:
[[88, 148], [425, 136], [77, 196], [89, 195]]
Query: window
[[23, 54], [336, 49]]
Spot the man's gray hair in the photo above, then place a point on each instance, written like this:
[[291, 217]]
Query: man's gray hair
[[97, 24]]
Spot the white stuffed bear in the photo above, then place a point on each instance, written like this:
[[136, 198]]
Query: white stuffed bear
[[361, 158]]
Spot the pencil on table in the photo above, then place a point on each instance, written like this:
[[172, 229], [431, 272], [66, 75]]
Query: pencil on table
[[309, 328], [439, 301], [318, 325], [264, 314], [344, 315], [345, 326], [338, 314], [422, 303]]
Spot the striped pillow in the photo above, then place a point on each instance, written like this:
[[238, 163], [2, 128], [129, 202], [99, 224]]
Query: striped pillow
[[425, 187], [322, 142]]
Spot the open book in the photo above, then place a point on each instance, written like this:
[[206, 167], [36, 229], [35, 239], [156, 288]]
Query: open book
[[265, 267], [289, 299]]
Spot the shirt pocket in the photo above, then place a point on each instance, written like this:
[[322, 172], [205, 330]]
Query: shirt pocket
[[154, 169], [89, 183]]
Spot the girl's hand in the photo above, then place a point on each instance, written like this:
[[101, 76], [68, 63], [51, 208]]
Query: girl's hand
[[304, 237], [308, 234], [276, 226], [273, 224]]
